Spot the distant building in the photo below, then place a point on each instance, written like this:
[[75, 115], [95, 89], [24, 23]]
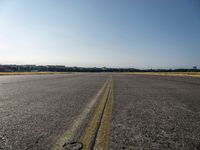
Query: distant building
[[194, 67], [104, 68], [2, 68]]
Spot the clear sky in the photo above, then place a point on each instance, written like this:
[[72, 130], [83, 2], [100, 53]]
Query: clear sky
[[112, 33]]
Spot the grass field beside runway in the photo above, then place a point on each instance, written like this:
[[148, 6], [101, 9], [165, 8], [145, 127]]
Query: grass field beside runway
[[29, 73], [190, 74]]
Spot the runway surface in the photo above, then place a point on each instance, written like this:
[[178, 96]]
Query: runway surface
[[148, 112], [155, 112]]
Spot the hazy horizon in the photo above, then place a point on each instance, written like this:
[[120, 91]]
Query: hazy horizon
[[138, 34]]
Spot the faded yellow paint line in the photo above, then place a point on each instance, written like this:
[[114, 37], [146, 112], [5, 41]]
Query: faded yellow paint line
[[102, 140], [69, 135], [96, 135]]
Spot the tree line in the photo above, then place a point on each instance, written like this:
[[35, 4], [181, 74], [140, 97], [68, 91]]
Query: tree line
[[59, 68]]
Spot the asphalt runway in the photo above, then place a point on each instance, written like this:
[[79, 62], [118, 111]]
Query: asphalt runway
[[155, 112], [36, 109], [148, 112]]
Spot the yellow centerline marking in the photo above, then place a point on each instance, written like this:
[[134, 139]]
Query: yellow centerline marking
[[96, 135], [69, 135], [102, 140]]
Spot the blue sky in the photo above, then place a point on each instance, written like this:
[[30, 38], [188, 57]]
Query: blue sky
[[112, 33]]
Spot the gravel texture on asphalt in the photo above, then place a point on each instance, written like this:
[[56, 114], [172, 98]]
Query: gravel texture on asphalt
[[35, 110], [149, 112], [155, 112]]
